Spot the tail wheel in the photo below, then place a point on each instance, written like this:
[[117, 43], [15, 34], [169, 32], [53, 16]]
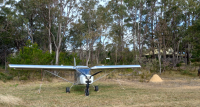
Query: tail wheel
[[67, 90], [96, 88]]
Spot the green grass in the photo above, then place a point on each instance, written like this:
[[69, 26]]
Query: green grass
[[111, 93], [180, 88]]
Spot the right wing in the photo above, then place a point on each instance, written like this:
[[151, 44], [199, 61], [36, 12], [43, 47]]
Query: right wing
[[115, 66], [44, 67]]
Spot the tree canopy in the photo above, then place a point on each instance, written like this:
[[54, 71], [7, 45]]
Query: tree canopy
[[127, 31]]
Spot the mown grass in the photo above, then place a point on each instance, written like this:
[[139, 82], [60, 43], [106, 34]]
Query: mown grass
[[178, 89], [176, 92]]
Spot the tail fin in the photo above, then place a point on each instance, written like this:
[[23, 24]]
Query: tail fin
[[74, 61]]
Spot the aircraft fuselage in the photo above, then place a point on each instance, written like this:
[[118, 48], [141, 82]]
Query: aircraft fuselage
[[81, 79]]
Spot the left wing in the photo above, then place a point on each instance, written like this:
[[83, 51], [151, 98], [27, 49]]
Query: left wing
[[115, 66], [45, 67]]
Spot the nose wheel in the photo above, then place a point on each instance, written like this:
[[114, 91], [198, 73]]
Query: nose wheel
[[87, 88]]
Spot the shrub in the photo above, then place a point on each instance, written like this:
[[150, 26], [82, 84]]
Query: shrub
[[4, 77], [178, 65], [31, 54], [186, 72]]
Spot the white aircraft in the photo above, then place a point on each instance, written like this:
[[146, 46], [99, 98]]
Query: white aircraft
[[82, 75]]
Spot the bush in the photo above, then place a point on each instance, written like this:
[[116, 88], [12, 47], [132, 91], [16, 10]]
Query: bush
[[67, 59], [186, 72], [178, 65], [31, 54], [4, 77]]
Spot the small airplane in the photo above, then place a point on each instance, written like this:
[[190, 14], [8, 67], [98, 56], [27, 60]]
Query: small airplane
[[82, 75]]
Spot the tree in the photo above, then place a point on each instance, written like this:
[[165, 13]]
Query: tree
[[91, 31], [194, 38], [11, 32], [118, 10], [63, 20]]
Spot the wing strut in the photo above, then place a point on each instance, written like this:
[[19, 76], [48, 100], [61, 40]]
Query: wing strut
[[58, 76]]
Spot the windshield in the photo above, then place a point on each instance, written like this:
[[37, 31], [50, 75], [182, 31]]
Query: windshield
[[85, 71]]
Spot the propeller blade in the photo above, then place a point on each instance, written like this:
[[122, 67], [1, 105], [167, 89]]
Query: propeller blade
[[96, 73]]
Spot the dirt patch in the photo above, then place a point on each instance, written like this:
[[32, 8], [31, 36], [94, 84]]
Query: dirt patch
[[155, 78], [11, 100]]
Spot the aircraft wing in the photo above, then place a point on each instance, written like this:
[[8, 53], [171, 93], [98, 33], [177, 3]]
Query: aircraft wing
[[45, 67], [115, 66]]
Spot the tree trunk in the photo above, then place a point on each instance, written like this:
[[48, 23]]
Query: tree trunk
[[5, 62], [91, 54], [177, 53], [164, 54], [59, 44], [185, 55], [57, 56], [88, 58], [116, 54], [152, 29], [188, 56], [159, 57], [174, 50], [88, 52], [49, 31]]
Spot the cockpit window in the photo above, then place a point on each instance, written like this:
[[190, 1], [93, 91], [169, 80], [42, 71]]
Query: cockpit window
[[85, 71]]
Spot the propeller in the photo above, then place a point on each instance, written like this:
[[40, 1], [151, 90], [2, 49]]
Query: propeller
[[95, 73], [91, 75]]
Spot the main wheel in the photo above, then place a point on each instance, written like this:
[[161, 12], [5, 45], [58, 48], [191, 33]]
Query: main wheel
[[67, 90], [96, 88]]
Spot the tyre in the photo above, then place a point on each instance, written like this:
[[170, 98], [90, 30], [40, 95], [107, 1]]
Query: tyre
[[96, 88], [67, 90], [86, 92]]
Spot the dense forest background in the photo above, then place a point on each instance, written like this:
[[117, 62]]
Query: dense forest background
[[126, 31]]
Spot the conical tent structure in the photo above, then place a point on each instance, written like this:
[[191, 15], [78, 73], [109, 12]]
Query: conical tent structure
[[155, 78]]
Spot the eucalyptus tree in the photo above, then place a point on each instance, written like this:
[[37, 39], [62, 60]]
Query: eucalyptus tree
[[47, 11], [104, 21], [131, 19], [137, 21], [194, 38], [49, 19], [91, 27], [76, 38], [151, 6], [190, 8], [65, 15], [11, 31], [6, 42], [27, 11], [162, 30], [118, 10]]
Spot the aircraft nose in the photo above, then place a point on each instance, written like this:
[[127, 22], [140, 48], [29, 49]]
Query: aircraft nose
[[88, 77]]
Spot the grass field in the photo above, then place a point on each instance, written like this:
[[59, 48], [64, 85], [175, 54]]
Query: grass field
[[178, 92]]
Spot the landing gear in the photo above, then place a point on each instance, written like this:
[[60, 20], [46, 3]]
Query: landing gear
[[96, 88], [86, 92], [87, 88], [67, 90]]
